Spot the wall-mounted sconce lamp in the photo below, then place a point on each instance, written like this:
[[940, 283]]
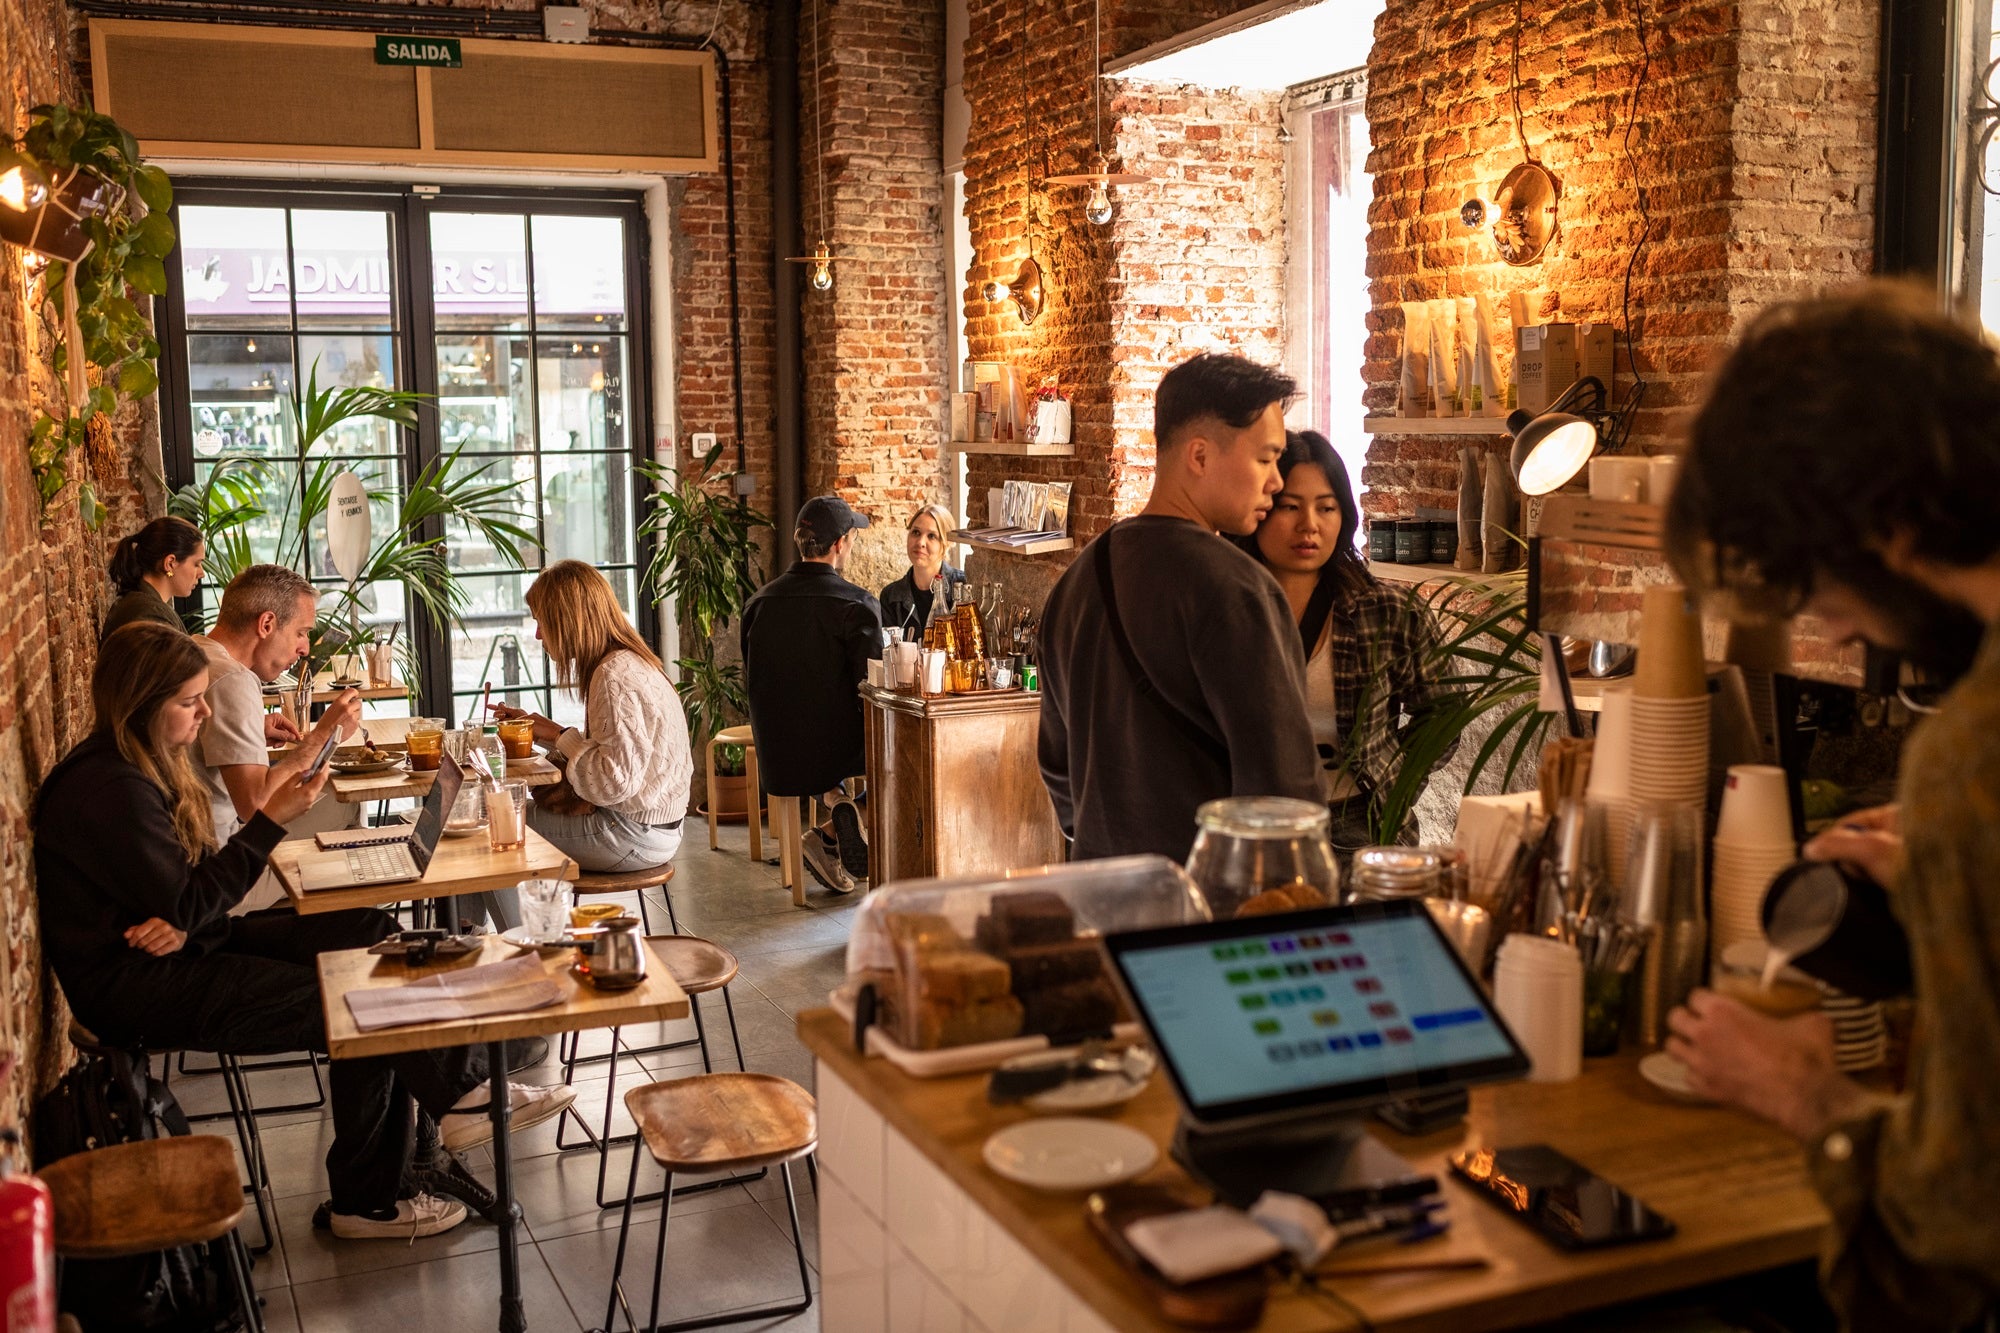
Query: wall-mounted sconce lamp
[[1524, 213], [1025, 290]]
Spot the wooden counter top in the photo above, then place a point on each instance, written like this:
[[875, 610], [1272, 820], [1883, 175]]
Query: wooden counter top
[[1736, 1188], [953, 705]]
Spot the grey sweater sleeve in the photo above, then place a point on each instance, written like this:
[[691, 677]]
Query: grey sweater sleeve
[[1265, 727]]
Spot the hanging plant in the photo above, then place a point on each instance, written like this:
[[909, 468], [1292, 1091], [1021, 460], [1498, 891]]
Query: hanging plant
[[100, 216]]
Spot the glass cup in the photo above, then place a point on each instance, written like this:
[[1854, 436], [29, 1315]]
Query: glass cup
[[426, 741], [517, 734], [507, 816], [545, 909]]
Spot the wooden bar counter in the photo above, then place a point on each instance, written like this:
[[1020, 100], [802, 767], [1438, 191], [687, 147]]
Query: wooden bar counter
[[954, 785], [916, 1232]]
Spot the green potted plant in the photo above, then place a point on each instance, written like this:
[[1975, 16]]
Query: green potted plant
[[74, 189], [232, 506], [704, 560], [731, 795]]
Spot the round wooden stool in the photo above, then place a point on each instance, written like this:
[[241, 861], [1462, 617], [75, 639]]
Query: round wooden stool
[[753, 791], [716, 1122], [134, 1198], [598, 883], [698, 966]]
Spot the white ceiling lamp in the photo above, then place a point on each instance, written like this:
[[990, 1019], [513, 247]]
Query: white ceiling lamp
[[1097, 208], [822, 258]]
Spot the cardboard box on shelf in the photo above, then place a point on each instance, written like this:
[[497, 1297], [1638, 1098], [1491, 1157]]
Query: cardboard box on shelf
[[1545, 361]]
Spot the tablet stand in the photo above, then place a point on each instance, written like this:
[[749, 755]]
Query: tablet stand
[[1332, 1160]]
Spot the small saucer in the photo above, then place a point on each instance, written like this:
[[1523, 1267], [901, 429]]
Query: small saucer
[[520, 939], [1671, 1077]]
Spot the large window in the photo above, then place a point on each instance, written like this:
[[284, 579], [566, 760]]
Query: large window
[[517, 316]]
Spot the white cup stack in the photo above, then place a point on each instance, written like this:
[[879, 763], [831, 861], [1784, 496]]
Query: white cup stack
[[1611, 778], [1538, 989], [1753, 842]]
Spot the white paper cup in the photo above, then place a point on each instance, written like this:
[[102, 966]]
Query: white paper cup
[[1756, 805], [1621, 480]]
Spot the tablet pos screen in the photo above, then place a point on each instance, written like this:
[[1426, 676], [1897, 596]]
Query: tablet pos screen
[[1332, 1008]]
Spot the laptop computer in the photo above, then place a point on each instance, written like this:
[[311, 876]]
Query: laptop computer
[[393, 857], [1279, 1031]]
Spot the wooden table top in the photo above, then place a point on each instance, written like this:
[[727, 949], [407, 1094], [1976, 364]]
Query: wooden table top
[[397, 783], [582, 1007], [460, 866], [325, 693], [1736, 1188]]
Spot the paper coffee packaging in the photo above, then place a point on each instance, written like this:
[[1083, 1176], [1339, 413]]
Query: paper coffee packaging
[[1596, 350], [1444, 358], [1471, 396], [964, 415], [1490, 400], [1545, 359], [1416, 379]]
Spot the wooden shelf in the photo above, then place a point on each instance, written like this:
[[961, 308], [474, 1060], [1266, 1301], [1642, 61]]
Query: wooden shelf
[[1479, 427], [1015, 448], [1043, 546], [1394, 573], [1578, 518]]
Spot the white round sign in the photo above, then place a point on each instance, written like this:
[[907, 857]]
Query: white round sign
[[347, 535]]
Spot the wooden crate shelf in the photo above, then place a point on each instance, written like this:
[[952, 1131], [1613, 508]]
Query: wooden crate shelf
[[1578, 518]]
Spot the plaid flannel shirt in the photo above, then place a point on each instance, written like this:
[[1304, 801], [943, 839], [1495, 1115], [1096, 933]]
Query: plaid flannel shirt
[[1381, 640]]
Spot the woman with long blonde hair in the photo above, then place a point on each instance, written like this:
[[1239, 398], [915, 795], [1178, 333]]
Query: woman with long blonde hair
[[629, 767], [135, 899]]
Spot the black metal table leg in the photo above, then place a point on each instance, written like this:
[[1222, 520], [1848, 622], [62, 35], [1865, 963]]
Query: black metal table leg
[[513, 1315]]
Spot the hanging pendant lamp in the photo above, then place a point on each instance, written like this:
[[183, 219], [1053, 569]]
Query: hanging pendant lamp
[[1097, 208], [822, 258]]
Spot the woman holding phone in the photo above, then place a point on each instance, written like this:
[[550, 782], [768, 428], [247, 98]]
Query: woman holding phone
[[137, 927]]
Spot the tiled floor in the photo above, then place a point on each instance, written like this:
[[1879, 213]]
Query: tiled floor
[[727, 1249]]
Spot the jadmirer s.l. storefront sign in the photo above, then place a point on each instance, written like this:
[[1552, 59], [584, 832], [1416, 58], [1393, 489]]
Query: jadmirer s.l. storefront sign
[[441, 52]]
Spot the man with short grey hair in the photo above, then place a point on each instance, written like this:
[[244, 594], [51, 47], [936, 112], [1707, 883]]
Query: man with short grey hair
[[262, 627]]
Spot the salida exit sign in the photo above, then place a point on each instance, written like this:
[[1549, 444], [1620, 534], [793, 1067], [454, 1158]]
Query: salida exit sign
[[441, 52]]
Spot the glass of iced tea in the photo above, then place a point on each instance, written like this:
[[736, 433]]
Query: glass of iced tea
[[518, 735], [426, 741]]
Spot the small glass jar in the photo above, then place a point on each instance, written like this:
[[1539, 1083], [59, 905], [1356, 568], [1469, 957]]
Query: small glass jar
[[1381, 874], [1259, 854]]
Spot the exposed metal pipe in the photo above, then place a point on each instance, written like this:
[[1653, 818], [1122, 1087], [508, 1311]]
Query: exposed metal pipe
[[788, 378]]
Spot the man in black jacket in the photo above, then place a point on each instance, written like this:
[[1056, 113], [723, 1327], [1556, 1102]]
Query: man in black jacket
[[808, 636]]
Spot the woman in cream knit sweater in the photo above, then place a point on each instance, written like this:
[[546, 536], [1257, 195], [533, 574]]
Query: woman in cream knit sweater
[[629, 768]]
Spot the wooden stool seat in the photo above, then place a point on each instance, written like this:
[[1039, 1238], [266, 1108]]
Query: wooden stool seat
[[735, 736], [624, 881], [724, 1122], [696, 965], [133, 1198]]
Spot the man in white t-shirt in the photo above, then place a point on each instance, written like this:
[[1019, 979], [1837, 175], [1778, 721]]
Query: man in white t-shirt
[[260, 630]]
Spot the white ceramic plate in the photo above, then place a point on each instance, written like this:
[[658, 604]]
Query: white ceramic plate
[[1086, 1094], [1069, 1153], [520, 939], [464, 830], [1669, 1076]]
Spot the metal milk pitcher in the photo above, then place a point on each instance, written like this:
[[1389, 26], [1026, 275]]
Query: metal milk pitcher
[[615, 957]]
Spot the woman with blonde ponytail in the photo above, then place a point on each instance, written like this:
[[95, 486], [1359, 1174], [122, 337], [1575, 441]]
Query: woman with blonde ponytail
[[135, 900]]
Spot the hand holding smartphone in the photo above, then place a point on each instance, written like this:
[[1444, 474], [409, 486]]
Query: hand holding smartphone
[[325, 753]]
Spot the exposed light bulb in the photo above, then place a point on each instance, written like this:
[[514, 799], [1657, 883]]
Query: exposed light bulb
[[1098, 207], [995, 291], [20, 191], [822, 274], [251, 347]]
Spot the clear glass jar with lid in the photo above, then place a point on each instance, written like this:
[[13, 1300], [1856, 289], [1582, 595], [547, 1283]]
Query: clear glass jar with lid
[[1379, 874], [1259, 854]]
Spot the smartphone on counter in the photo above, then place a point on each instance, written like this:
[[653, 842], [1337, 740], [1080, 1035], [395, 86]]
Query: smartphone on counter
[[1568, 1203], [325, 753]]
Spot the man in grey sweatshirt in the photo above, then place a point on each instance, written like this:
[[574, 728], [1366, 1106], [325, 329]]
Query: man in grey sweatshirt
[[1171, 669]]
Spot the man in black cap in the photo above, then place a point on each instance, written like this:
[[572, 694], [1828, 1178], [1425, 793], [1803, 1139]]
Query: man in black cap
[[808, 636]]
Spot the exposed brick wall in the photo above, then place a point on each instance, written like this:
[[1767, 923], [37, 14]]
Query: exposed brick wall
[[1191, 261], [1754, 140], [875, 346]]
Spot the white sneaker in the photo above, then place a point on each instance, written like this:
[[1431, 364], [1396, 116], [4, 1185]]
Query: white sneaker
[[423, 1215], [823, 864], [527, 1106]]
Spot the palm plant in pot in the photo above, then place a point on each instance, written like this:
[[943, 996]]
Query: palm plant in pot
[[704, 562], [250, 512]]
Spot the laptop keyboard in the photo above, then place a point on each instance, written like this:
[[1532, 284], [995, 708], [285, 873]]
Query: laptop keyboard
[[378, 863]]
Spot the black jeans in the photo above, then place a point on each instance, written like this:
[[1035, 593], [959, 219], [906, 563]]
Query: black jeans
[[258, 994]]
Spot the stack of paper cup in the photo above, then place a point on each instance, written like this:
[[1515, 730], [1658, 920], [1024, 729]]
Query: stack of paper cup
[[1753, 842], [1611, 777], [1670, 705], [1538, 988], [1670, 651]]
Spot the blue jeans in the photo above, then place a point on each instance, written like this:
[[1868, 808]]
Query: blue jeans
[[603, 841]]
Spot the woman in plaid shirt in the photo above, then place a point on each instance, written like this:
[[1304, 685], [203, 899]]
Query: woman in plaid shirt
[[1368, 647]]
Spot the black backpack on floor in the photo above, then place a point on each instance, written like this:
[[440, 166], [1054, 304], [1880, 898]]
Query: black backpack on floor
[[107, 1098]]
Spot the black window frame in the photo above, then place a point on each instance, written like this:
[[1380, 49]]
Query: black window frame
[[410, 208]]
